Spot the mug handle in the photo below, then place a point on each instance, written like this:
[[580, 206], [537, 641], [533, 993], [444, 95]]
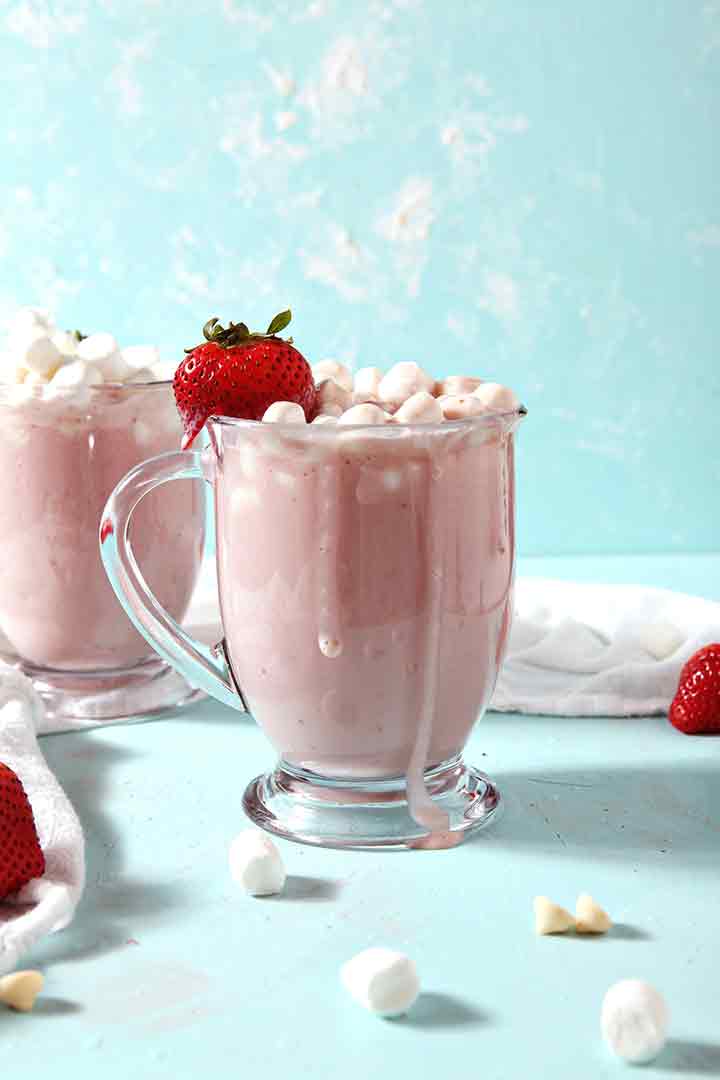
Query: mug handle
[[203, 666]]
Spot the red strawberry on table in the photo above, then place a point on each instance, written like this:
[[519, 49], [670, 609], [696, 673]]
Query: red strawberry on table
[[21, 857], [696, 705], [238, 373]]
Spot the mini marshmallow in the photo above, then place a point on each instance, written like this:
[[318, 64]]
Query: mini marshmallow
[[420, 408], [76, 374], [381, 980], [140, 357], [333, 398], [660, 638], [19, 990], [497, 397], [66, 344], [460, 407], [284, 412], [550, 918], [401, 382], [101, 351], [41, 355], [28, 320], [256, 863], [364, 414], [590, 918], [634, 1021], [325, 418], [459, 385], [366, 385], [330, 646], [331, 369]]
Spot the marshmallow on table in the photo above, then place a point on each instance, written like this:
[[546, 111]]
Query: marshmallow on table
[[495, 396], [634, 1020], [332, 398], [590, 918], [550, 918], [460, 406], [381, 980], [419, 408], [256, 864], [284, 412], [459, 385], [19, 990], [332, 369], [366, 385], [401, 382], [364, 414]]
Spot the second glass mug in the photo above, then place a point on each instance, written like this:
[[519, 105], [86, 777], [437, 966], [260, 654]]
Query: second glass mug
[[365, 578]]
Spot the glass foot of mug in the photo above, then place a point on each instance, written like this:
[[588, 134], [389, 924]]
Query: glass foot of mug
[[310, 809], [145, 690]]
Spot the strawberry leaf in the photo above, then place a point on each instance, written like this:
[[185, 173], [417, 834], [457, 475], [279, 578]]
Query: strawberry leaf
[[279, 323]]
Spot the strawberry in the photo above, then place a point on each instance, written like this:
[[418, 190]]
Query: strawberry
[[21, 857], [696, 705], [236, 373]]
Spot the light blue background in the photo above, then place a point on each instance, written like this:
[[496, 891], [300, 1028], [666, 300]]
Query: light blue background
[[526, 190]]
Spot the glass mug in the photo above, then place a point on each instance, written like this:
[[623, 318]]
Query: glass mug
[[365, 579], [61, 454]]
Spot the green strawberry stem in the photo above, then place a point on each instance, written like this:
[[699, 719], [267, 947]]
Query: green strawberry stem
[[238, 333]]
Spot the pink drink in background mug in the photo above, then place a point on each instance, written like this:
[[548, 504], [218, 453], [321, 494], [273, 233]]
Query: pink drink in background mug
[[365, 579]]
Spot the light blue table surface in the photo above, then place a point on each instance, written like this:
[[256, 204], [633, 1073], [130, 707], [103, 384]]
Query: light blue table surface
[[170, 971]]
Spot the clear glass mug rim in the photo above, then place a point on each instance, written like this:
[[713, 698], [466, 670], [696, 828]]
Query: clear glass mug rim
[[496, 418]]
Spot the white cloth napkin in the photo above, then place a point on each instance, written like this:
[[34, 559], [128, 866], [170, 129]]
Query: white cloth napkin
[[47, 903], [600, 650]]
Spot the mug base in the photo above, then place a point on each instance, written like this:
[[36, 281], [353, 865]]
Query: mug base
[[83, 698], [355, 814]]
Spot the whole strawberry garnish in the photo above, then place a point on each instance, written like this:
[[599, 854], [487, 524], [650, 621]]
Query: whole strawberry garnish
[[236, 373], [21, 857], [696, 705]]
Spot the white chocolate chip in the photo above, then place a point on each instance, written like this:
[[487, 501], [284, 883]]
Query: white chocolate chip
[[256, 863], [420, 408], [381, 980], [661, 638], [590, 918], [366, 385], [19, 990], [460, 406], [550, 918], [332, 398], [284, 412], [330, 646], [634, 1021], [332, 369], [401, 382], [496, 397], [459, 385], [364, 414]]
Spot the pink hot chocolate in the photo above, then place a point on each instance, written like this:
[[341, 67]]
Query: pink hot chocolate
[[59, 461], [366, 586]]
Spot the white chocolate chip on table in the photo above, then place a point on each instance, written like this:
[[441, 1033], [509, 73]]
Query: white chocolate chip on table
[[256, 863], [19, 990], [634, 1021], [590, 918], [383, 981], [550, 918]]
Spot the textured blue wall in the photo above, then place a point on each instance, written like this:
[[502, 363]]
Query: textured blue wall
[[526, 190]]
